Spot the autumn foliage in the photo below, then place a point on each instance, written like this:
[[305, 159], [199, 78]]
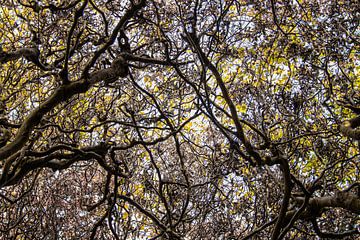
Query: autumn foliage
[[178, 119]]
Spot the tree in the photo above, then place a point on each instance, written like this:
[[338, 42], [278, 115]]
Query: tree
[[225, 119]]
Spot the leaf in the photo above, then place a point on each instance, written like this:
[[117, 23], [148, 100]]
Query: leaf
[[242, 108]]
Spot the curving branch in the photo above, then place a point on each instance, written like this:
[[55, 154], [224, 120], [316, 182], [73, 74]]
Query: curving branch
[[150, 215], [345, 200], [286, 198], [119, 68], [311, 209], [194, 42], [57, 160], [60, 95], [332, 235], [31, 54]]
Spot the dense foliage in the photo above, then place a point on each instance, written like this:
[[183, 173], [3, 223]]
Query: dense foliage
[[178, 119]]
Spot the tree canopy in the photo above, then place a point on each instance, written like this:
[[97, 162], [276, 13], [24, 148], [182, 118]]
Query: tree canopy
[[178, 119]]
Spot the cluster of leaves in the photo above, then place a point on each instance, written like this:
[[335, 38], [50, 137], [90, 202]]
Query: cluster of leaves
[[178, 119]]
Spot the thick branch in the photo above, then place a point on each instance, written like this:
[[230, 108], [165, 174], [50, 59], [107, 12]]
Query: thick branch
[[314, 208], [286, 198], [63, 93], [350, 128], [345, 200], [129, 14], [31, 54]]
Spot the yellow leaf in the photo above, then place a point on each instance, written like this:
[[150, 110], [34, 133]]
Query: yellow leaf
[[147, 78], [125, 215], [241, 108]]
